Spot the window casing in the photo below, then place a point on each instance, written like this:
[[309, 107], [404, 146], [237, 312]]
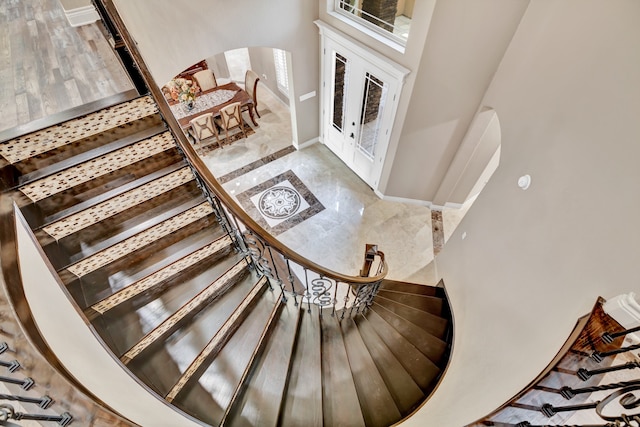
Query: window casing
[[282, 75]]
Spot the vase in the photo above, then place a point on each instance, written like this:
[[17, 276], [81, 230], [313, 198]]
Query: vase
[[190, 104]]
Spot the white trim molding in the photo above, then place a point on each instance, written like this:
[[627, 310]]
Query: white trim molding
[[307, 143], [625, 310], [405, 200], [82, 15]]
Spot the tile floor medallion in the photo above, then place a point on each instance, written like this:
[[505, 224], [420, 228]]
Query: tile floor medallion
[[280, 203]]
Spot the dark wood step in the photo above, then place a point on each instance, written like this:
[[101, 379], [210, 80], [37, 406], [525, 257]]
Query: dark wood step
[[89, 249], [88, 155], [62, 251], [412, 288], [182, 266], [376, 402], [435, 325], [162, 369], [426, 303], [35, 212], [340, 398], [431, 346], [189, 310], [224, 374], [302, 405], [215, 345], [406, 393], [148, 245], [256, 400], [422, 369], [139, 183], [262, 399]]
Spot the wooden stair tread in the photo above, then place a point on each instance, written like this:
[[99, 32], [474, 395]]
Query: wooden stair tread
[[90, 154], [406, 393], [264, 390], [215, 290], [223, 375], [412, 288], [139, 183], [163, 368], [340, 398], [435, 325], [426, 303], [431, 346], [303, 402], [376, 402], [421, 368]]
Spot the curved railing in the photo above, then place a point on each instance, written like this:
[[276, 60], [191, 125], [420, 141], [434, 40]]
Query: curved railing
[[295, 274]]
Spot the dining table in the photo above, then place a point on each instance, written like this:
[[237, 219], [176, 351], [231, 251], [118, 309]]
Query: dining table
[[212, 101]]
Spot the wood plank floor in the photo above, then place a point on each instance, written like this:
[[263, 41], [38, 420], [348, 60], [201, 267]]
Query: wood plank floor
[[47, 66]]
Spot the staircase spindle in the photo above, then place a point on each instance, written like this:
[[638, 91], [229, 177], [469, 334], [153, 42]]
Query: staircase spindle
[[7, 412], [585, 374], [598, 356], [568, 392], [549, 410], [43, 402], [26, 383], [608, 337], [13, 366], [307, 294]]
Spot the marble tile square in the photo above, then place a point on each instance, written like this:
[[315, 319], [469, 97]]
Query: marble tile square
[[280, 203]]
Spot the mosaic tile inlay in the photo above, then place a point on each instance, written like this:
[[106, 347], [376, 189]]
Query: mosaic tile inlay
[[160, 276], [280, 203], [65, 133], [140, 240], [97, 167], [120, 203]]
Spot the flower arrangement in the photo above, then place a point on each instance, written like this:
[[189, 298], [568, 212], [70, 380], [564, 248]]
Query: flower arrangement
[[183, 90]]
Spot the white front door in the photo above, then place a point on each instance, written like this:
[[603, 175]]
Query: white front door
[[359, 103]]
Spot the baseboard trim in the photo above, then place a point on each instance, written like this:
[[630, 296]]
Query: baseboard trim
[[82, 16], [403, 200], [306, 143]]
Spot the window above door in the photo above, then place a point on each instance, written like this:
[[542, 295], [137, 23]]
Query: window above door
[[388, 21]]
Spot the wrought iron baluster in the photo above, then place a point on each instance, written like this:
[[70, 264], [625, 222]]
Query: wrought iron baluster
[[43, 402], [277, 278], [608, 337], [7, 412], [568, 392], [292, 284], [13, 366], [549, 410], [25, 383], [307, 294], [585, 374], [598, 356], [346, 302]]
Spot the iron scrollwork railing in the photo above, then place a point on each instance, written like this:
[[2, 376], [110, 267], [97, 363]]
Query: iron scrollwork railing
[[308, 285]]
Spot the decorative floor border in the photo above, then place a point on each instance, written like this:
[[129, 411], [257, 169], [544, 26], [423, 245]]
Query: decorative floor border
[[315, 206]]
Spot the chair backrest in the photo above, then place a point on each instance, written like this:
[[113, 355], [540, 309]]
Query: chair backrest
[[203, 126], [251, 84], [231, 115], [205, 79]]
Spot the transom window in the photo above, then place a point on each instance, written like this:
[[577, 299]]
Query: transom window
[[389, 18]]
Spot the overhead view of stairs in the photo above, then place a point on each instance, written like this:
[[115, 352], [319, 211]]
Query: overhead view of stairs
[[175, 295]]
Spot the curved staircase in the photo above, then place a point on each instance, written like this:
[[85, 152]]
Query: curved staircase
[[177, 296]]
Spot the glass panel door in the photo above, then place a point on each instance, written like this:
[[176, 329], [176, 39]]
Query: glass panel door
[[340, 85], [375, 94]]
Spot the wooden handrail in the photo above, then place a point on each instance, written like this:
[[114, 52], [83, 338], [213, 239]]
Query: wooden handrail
[[208, 178]]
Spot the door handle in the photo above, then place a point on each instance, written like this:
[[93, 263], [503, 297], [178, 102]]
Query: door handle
[[352, 136]]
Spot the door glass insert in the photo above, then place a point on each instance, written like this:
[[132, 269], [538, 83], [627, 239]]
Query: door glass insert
[[339, 90], [375, 93]]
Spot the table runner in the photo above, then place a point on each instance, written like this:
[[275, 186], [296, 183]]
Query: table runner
[[203, 102]]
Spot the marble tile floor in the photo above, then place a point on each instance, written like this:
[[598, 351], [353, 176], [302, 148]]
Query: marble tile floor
[[353, 215]]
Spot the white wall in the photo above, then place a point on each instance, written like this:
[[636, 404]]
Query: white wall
[[568, 96], [173, 35]]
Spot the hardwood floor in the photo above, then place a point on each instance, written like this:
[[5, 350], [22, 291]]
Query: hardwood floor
[[47, 66]]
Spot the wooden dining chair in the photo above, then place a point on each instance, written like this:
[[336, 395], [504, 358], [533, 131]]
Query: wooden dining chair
[[205, 79], [231, 117], [251, 80], [203, 127]]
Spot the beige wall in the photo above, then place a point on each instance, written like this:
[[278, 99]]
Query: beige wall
[[173, 35], [568, 97], [466, 42]]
